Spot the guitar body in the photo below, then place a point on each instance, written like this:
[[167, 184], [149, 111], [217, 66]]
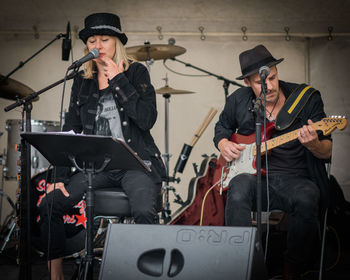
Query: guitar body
[[214, 210], [225, 171]]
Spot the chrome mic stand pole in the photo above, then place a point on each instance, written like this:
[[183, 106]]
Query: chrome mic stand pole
[[166, 156]]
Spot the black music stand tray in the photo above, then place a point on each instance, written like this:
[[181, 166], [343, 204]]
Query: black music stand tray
[[91, 155]]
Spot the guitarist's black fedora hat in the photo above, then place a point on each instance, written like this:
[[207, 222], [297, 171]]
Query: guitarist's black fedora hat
[[251, 60]]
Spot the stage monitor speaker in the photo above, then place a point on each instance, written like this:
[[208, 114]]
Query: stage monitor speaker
[[181, 252]]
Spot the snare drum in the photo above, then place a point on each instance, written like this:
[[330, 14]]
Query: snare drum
[[38, 162], [74, 220]]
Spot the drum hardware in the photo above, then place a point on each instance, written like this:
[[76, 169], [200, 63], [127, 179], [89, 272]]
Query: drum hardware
[[3, 169], [12, 89], [226, 83], [8, 228], [186, 149], [148, 52], [38, 161], [166, 92], [9, 224]]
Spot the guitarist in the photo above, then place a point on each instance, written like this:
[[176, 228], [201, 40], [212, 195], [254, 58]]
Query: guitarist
[[297, 175]]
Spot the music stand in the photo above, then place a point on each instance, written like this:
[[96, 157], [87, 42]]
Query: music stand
[[90, 154]]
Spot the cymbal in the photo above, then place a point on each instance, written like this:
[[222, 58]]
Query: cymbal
[[169, 90], [155, 51], [11, 88]]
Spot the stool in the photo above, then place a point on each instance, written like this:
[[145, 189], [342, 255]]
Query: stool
[[111, 206], [113, 202]]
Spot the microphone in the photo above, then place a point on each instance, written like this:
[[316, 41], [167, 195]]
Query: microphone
[[264, 71], [94, 53], [66, 44]]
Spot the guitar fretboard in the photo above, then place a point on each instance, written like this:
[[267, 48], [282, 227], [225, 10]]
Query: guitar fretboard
[[326, 125], [280, 140]]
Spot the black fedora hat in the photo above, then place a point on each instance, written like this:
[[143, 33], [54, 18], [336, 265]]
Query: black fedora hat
[[102, 24], [251, 60]]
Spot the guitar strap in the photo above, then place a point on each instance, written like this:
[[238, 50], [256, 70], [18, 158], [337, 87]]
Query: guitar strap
[[293, 106]]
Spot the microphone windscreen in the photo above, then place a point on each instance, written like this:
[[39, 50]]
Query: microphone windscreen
[[95, 53], [66, 47], [66, 44]]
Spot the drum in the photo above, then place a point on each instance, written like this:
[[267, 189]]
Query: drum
[[38, 162], [74, 220]]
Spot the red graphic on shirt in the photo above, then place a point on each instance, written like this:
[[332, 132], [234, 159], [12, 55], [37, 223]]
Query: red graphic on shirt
[[69, 219], [75, 217], [81, 218], [41, 185], [40, 199]]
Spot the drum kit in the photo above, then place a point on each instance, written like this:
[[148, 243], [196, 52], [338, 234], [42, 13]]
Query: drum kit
[[13, 90]]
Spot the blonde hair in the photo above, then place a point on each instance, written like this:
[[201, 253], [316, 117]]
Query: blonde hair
[[120, 54]]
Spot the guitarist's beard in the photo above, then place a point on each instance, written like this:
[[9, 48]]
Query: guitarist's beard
[[272, 96]]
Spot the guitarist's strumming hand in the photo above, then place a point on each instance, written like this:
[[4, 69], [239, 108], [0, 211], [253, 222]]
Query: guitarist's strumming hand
[[230, 150]]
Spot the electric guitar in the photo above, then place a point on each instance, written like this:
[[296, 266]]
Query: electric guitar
[[247, 161]]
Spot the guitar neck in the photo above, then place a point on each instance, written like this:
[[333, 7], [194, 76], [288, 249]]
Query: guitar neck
[[280, 140], [326, 125]]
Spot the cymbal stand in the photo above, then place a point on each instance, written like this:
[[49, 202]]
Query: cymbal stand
[[226, 81], [166, 211], [149, 61], [9, 224], [3, 163]]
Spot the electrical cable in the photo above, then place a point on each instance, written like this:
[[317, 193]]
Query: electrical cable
[[182, 74], [62, 98], [203, 202]]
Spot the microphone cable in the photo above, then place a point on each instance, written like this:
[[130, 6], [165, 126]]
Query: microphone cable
[[62, 99]]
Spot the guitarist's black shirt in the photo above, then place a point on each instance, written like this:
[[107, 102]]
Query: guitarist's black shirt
[[289, 158]]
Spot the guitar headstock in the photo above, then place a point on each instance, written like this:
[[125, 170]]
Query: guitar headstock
[[328, 125]]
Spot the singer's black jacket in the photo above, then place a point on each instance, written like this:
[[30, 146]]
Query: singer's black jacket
[[238, 118], [135, 99]]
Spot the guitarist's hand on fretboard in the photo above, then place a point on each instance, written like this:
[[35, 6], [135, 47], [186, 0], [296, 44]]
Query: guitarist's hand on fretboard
[[230, 150], [307, 136]]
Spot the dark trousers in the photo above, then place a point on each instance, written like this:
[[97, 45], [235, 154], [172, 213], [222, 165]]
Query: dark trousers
[[138, 186], [297, 196]]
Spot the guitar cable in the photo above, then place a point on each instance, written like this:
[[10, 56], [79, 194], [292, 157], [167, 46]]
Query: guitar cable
[[203, 202]]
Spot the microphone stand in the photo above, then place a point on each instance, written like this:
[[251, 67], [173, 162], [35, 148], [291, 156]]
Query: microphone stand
[[258, 123], [25, 196], [226, 83], [21, 63]]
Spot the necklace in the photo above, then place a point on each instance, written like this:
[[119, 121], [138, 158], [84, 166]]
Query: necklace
[[274, 106]]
